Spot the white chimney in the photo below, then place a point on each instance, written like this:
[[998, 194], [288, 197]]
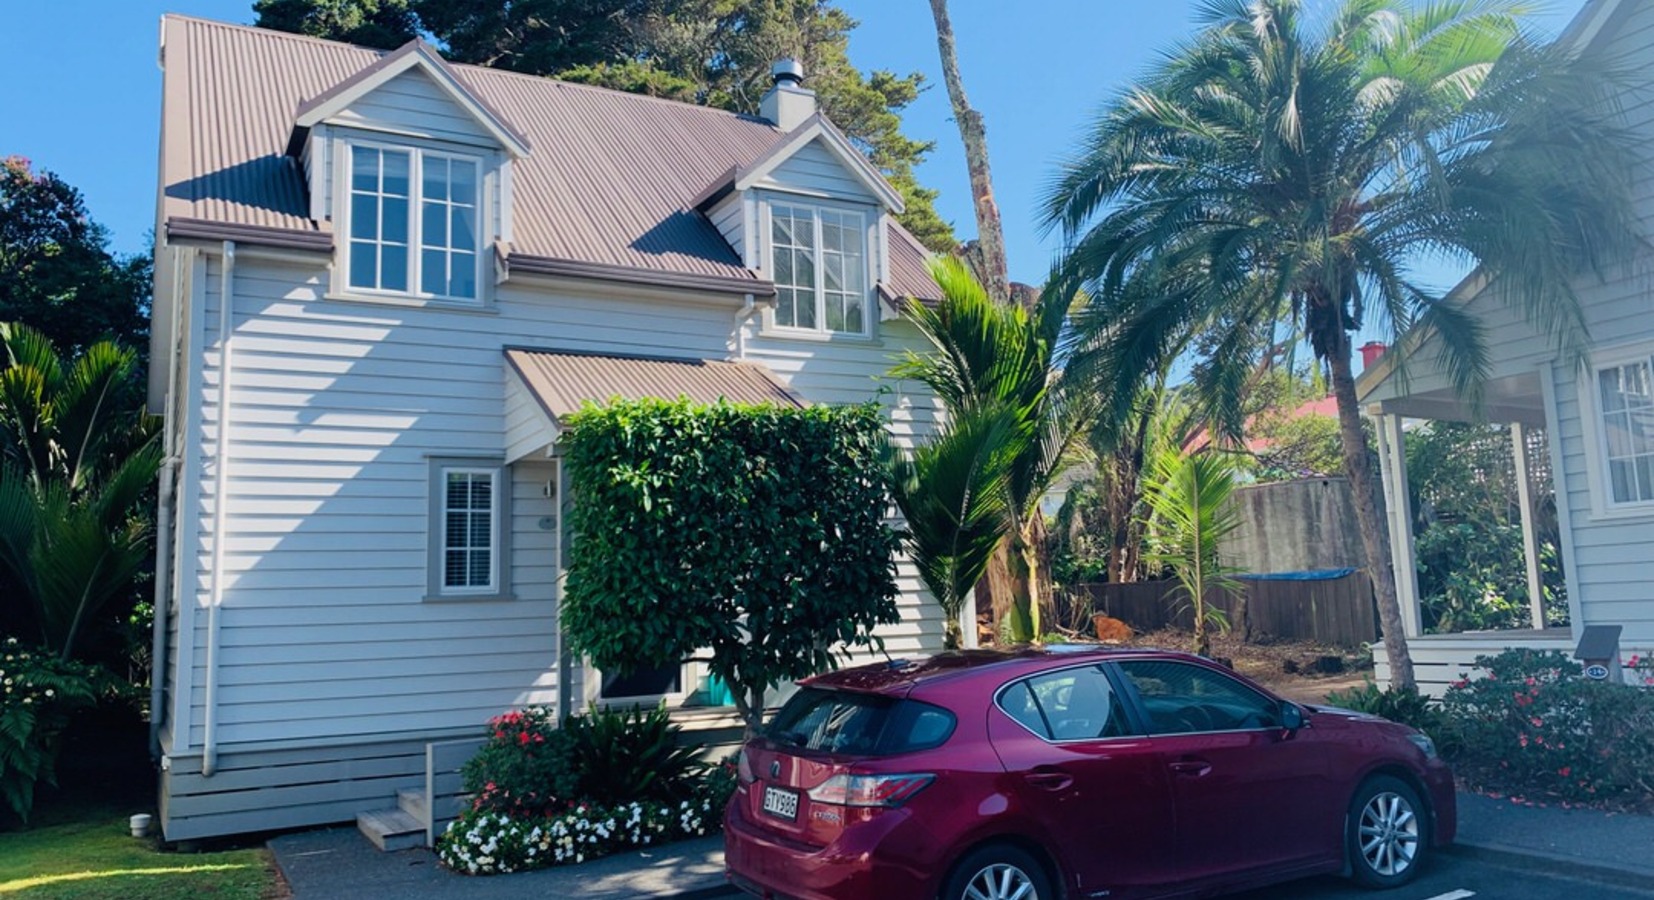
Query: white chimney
[[788, 103]]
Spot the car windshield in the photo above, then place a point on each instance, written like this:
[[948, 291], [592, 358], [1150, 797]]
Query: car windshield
[[863, 724]]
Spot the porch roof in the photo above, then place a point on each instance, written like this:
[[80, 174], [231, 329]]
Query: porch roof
[[548, 386]]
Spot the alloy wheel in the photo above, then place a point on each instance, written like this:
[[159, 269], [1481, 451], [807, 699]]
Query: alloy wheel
[[1389, 834], [1000, 881]]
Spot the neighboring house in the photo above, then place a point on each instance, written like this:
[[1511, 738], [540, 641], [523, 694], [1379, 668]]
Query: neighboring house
[[381, 282], [1594, 425]]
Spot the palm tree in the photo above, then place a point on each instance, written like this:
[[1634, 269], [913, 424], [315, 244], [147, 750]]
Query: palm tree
[[1189, 515], [1278, 174], [991, 365], [77, 457], [953, 493]]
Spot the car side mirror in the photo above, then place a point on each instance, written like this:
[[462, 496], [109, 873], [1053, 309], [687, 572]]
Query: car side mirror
[[1292, 716]]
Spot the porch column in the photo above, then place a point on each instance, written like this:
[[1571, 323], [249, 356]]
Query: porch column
[[1530, 531], [1392, 457]]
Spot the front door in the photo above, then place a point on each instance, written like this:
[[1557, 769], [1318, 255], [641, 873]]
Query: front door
[[1077, 766]]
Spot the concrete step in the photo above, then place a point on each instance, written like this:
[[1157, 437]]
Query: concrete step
[[414, 802], [391, 829]]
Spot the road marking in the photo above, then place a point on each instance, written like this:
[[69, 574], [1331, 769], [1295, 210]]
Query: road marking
[[1453, 895]]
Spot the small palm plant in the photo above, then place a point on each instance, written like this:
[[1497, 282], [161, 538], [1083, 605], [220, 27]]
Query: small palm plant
[[1189, 514], [77, 458]]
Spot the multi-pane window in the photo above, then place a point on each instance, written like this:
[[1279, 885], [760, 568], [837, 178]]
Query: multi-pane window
[[386, 186], [819, 265], [468, 514], [1627, 396]]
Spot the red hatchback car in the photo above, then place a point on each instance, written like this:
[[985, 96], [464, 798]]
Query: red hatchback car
[[1049, 774]]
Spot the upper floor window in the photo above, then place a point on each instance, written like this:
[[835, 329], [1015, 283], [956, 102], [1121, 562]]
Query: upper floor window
[[819, 263], [1626, 394], [414, 222]]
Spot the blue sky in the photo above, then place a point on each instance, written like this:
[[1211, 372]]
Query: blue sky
[[83, 92]]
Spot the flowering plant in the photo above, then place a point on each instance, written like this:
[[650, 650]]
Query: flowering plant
[[38, 693], [1640, 670], [485, 842], [1535, 725]]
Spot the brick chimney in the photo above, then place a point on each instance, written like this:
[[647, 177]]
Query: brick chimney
[[788, 103], [1370, 352]]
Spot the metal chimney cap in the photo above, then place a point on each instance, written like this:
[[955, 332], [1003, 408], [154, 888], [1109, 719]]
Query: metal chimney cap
[[787, 71]]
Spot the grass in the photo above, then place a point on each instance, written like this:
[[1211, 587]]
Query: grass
[[91, 856]]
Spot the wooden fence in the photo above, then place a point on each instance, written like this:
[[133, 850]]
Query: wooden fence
[[1339, 612]]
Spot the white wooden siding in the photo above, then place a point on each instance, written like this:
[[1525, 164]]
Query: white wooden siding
[[527, 428], [412, 104], [813, 169], [730, 218], [337, 407]]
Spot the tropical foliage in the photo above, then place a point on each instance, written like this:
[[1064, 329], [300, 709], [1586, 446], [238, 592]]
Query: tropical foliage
[[77, 459], [756, 533], [1190, 513], [38, 694], [1276, 177], [711, 52], [993, 365]]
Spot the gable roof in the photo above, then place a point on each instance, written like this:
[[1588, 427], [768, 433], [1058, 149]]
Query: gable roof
[[414, 54], [607, 188], [815, 128]]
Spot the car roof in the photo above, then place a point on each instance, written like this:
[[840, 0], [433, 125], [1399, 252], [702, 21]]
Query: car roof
[[898, 677]]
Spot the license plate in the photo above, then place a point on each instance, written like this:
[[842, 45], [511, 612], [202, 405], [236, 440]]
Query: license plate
[[781, 803]]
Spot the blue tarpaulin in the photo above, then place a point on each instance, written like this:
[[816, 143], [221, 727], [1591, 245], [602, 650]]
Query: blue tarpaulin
[[1315, 575]]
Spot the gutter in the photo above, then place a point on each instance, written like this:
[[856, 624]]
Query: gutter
[[221, 483]]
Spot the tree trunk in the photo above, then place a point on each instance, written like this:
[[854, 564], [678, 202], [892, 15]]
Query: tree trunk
[[990, 235], [1373, 536]]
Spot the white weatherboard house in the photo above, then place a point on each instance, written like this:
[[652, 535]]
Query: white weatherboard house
[[381, 282], [1592, 427]]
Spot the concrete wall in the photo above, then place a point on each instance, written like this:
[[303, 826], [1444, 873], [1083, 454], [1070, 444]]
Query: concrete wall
[[1293, 526]]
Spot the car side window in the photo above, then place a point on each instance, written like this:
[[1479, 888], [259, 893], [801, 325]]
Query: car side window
[[1180, 698], [1067, 705]]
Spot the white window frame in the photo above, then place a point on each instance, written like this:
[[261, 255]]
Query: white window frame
[[417, 154], [1593, 419], [499, 531], [860, 218]]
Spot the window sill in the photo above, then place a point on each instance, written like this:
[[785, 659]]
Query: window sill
[[820, 337], [406, 302], [470, 598], [1600, 513]]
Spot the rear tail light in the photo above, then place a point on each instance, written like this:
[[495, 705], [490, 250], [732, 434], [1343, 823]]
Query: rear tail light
[[743, 767], [870, 790]]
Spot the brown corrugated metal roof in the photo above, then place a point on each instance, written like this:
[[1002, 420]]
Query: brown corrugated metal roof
[[562, 380], [610, 180]]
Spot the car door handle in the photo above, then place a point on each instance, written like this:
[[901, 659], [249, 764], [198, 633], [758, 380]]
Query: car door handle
[[1191, 767], [1048, 779]]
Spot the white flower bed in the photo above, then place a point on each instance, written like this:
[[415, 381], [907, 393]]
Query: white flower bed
[[485, 842]]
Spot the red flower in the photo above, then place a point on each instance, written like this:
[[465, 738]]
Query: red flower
[[1564, 771]]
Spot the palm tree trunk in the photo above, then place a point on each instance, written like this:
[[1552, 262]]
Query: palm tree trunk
[[990, 235], [1373, 539]]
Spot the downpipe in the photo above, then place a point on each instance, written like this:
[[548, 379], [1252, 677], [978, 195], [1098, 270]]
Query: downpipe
[[221, 484], [741, 317]]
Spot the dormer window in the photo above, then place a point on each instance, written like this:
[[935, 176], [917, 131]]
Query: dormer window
[[431, 253], [818, 260]]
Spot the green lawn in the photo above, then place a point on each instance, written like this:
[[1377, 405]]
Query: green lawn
[[89, 855]]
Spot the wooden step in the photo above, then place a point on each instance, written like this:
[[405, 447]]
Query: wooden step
[[413, 802], [391, 829]]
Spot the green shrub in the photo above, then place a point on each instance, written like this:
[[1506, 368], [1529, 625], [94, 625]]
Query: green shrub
[[38, 694], [1534, 725], [1404, 705], [621, 756]]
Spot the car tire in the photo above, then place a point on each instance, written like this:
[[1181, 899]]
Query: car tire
[[1387, 833], [998, 872]]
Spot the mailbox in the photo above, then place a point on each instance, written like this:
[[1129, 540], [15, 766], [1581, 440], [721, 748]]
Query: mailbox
[[1599, 652]]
